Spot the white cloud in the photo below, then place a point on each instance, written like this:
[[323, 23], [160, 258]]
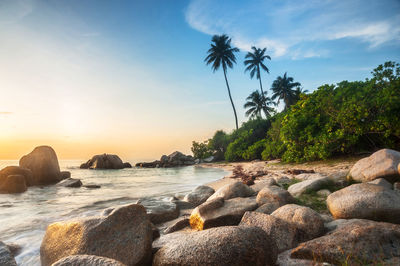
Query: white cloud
[[295, 29]]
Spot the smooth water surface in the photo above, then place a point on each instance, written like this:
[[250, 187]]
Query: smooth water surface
[[24, 217]]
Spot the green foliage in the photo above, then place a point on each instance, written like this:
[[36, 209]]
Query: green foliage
[[254, 151], [201, 150], [274, 146], [218, 144]]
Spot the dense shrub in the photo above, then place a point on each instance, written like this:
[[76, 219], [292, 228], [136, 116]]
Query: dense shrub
[[218, 144], [201, 150]]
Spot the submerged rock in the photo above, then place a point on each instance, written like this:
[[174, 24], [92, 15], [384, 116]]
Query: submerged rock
[[230, 245], [357, 242], [220, 212], [124, 234], [86, 260], [43, 163], [234, 190], [6, 257], [381, 164], [199, 195], [103, 161], [365, 201], [70, 182]]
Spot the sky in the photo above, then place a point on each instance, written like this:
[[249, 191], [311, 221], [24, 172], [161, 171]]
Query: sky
[[128, 77]]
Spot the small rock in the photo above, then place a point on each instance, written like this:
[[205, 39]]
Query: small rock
[[304, 218], [87, 260], [324, 192], [258, 186], [92, 186], [274, 194], [182, 205], [308, 186], [65, 175], [159, 211], [181, 223], [199, 195], [70, 182], [6, 257], [312, 176], [234, 190]]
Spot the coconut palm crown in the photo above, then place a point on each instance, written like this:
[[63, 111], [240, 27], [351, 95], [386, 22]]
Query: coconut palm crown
[[255, 62], [256, 104], [282, 89]]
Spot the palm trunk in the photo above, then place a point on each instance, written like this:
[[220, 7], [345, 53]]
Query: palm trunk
[[262, 92], [230, 97]]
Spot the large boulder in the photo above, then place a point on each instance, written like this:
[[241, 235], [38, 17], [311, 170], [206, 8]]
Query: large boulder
[[274, 194], [359, 242], [13, 184], [17, 170], [43, 163], [220, 212], [6, 257], [199, 195], [365, 201], [124, 234], [175, 159], [304, 218], [284, 234], [228, 246], [381, 164], [86, 260], [103, 161], [308, 186], [234, 190], [259, 185]]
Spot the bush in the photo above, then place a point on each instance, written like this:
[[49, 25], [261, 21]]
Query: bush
[[201, 150], [218, 144]]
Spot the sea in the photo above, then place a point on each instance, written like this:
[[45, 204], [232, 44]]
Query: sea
[[24, 217]]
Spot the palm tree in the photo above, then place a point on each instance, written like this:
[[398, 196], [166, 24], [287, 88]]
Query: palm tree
[[257, 104], [221, 53], [255, 61], [297, 92], [282, 88]]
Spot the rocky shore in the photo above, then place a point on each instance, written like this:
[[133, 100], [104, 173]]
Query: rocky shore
[[343, 212]]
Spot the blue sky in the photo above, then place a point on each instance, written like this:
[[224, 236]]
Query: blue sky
[[128, 76]]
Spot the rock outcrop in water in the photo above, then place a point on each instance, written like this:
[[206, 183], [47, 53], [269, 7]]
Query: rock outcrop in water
[[6, 256], [175, 159], [105, 161]]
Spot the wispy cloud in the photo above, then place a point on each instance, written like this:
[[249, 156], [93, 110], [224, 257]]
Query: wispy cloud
[[286, 26], [5, 113]]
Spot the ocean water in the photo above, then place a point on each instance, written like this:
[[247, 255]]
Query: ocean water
[[24, 217]]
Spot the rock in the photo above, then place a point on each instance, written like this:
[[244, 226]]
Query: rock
[[308, 186], [14, 248], [65, 175], [6, 257], [327, 218], [92, 186], [284, 259], [312, 176], [199, 195], [284, 234], [304, 218], [381, 164], [17, 170], [159, 211], [234, 190], [126, 165], [104, 161], [124, 235], [13, 184], [357, 242], [43, 163], [182, 205], [263, 183], [365, 201], [209, 159], [381, 182], [396, 186], [274, 194], [335, 224], [70, 182], [220, 212], [268, 207], [299, 171], [324, 192], [175, 159], [87, 260], [167, 238], [178, 225], [282, 180], [155, 232], [222, 246]]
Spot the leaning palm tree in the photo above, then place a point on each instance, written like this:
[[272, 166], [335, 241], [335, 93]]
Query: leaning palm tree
[[255, 62], [256, 104], [220, 54], [282, 88]]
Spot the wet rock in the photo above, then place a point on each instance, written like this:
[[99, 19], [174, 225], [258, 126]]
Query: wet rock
[[87, 260], [70, 182], [234, 190], [222, 246], [182, 205], [103, 161], [92, 186], [274, 194], [6, 257], [43, 163], [365, 201], [17, 170], [124, 235], [220, 212], [14, 248], [199, 195], [126, 165], [65, 175], [357, 242], [381, 182], [304, 218], [284, 234], [178, 225], [381, 164], [308, 186], [268, 207], [159, 211], [13, 184]]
